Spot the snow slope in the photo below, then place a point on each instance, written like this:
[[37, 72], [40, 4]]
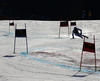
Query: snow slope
[[50, 58]]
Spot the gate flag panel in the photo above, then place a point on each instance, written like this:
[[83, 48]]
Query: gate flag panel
[[63, 23], [20, 33], [89, 47]]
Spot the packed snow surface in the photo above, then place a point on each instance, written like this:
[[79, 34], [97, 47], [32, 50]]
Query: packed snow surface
[[49, 57]]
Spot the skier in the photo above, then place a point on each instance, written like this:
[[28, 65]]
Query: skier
[[78, 32]]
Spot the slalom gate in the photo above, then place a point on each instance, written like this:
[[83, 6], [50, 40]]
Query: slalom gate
[[88, 47], [68, 24], [72, 23], [63, 24], [21, 33]]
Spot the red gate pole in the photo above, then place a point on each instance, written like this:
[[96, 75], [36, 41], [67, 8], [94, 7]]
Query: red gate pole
[[15, 38], [82, 55], [95, 55], [81, 60], [59, 30], [95, 62], [26, 40], [9, 26], [68, 31], [68, 27]]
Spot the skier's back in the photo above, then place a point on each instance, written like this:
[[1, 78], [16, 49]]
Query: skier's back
[[78, 32]]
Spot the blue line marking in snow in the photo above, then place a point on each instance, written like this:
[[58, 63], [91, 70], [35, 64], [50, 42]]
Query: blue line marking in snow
[[48, 62], [6, 33]]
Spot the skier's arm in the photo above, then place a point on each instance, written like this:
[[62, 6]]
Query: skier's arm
[[80, 30]]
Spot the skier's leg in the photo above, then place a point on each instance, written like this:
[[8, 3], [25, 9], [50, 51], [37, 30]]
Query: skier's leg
[[80, 35], [85, 36]]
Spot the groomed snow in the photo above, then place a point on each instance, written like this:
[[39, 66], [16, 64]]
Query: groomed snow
[[50, 58]]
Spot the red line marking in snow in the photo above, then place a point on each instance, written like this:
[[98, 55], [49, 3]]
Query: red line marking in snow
[[91, 60], [54, 53]]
